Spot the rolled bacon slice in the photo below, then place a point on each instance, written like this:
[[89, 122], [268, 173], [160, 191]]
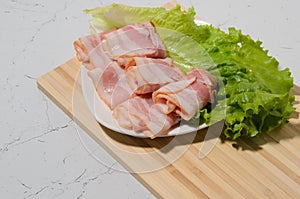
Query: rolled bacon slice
[[204, 79], [160, 122], [98, 59], [111, 85], [187, 96], [145, 75], [85, 46], [140, 114], [136, 40]]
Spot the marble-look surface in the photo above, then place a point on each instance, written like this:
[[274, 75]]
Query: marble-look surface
[[41, 153]]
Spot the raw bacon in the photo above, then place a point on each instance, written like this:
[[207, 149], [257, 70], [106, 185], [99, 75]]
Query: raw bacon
[[150, 74], [98, 58], [142, 115], [129, 41], [85, 47], [136, 40], [204, 80], [146, 92], [187, 96], [111, 85]]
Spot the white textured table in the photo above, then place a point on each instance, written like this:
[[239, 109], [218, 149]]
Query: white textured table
[[41, 154]]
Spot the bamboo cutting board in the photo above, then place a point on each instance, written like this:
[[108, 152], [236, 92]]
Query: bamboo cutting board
[[267, 166]]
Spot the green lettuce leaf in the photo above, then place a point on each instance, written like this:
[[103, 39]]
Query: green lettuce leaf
[[254, 95], [118, 15], [177, 43], [257, 93]]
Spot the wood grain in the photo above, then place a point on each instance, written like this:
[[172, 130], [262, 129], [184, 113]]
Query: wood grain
[[267, 166]]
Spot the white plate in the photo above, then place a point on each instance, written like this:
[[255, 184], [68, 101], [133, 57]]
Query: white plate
[[104, 116]]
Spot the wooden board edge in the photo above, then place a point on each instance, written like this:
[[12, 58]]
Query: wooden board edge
[[41, 86]]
